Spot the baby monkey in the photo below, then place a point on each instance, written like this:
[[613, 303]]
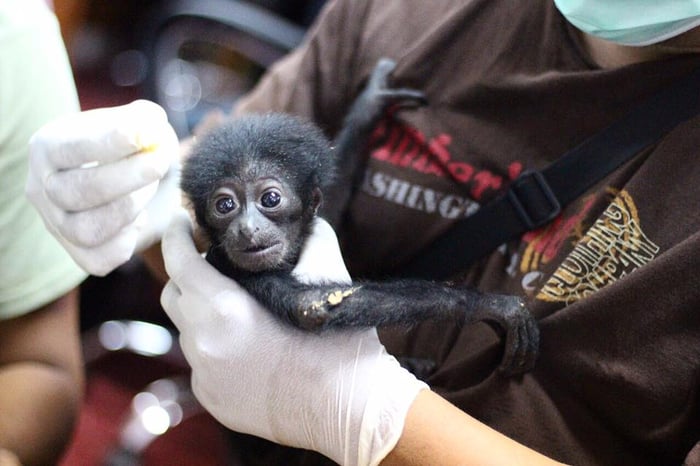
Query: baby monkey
[[257, 182]]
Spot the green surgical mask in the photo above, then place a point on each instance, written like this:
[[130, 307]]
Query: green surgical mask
[[632, 22]]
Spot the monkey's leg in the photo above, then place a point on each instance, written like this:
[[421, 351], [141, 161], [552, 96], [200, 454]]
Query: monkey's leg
[[372, 103], [319, 307]]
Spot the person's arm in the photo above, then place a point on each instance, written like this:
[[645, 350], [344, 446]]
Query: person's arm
[[41, 379], [437, 432], [8, 458], [40, 358]]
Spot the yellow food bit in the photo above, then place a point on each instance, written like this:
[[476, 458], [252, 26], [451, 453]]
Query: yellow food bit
[[147, 147], [337, 297]]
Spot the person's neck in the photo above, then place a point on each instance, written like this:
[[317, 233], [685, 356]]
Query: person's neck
[[608, 54]]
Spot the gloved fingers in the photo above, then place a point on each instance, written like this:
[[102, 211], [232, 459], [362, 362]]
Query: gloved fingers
[[103, 135], [184, 264], [105, 257], [197, 316], [84, 188], [178, 246], [91, 228], [321, 259]]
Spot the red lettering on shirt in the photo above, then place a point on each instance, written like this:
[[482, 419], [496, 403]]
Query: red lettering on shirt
[[514, 170], [403, 146], [485, 180]]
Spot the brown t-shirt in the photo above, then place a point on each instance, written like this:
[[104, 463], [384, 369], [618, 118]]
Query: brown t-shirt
[[612, 280]]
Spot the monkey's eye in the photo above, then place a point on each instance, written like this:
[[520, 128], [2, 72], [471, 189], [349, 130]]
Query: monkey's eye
[[224, 205], [270, 199]]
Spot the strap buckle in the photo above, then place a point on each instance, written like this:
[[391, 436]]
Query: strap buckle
[[533, 199]]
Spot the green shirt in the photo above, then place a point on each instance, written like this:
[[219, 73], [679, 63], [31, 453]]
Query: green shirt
[[36, 85]]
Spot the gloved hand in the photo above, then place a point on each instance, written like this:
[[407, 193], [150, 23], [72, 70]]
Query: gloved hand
[[338, 393], [105, 181]]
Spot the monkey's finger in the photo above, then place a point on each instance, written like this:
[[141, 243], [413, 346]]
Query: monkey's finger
[[510, 349], [381, 72], [533, 344], [519, 364], [103, 135], [404, 98], [521, 348], [513, 356], [528, 343]]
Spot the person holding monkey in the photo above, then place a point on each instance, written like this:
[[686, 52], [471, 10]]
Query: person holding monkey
[[510, 86], [41, 372]]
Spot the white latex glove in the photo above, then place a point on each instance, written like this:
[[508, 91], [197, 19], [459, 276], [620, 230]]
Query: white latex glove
[[338, 393], [105, 181]]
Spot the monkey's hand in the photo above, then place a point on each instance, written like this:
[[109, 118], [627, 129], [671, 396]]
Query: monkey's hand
[[338, 393], [510, 316], [105, 181]]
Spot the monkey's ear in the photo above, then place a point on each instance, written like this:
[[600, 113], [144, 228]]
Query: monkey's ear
[[316, 199]]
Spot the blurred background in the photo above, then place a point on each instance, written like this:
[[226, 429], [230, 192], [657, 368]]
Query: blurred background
[[191, 57], [187, 54]]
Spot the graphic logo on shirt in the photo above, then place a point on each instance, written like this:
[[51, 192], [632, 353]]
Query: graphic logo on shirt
[[405, 146], [613, 247]]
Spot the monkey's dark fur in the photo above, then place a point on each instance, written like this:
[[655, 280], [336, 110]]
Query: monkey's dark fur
[[256, 184]]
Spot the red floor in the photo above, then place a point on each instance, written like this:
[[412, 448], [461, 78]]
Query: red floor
[[112, 383]]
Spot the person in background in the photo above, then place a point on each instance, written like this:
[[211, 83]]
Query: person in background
[[511, 86], [40, 356]]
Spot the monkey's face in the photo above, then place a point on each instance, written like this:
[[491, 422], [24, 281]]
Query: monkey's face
[[258, 223]]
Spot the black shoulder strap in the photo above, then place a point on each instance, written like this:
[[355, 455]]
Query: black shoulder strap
[[536, 197]]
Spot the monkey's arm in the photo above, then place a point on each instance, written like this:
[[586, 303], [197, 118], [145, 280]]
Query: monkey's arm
[[357, 128], [369, 304]]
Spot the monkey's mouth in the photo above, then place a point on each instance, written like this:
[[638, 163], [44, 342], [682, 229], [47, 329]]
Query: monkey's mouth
[[258, 257], [257, 249], [261, 249]]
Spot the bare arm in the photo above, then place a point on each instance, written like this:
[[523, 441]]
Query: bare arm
[[41, 379], [437, 432]]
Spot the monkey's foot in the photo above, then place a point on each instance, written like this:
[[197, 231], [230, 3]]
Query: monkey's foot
[[379, 96], [387, 97], [522, 335]]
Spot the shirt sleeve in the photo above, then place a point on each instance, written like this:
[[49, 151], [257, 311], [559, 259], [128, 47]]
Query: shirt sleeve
[[36, 85]]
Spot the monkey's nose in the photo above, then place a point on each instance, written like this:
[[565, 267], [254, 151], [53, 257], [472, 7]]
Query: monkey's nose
[[248, 230]]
